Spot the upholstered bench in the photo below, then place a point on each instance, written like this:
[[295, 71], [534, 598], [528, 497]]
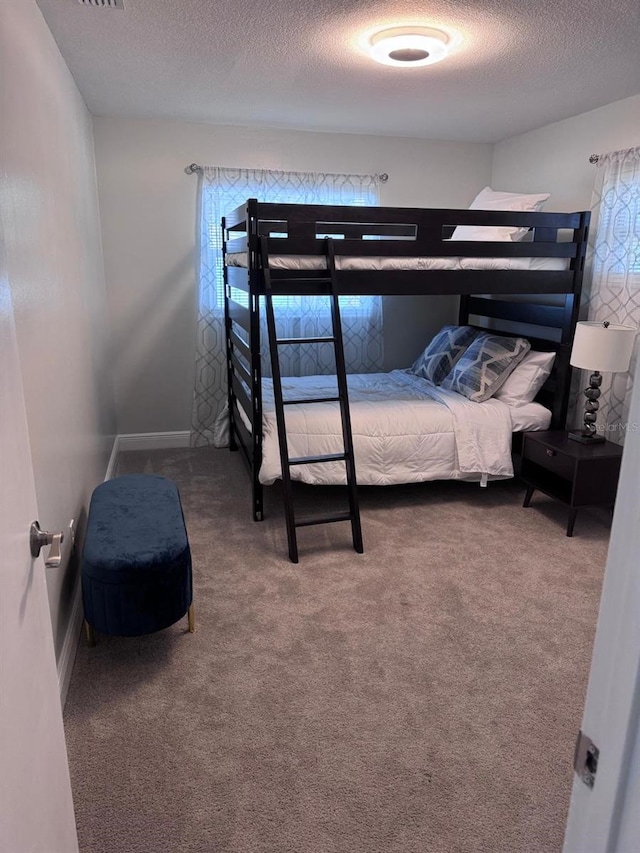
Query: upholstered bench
[[136, 561]]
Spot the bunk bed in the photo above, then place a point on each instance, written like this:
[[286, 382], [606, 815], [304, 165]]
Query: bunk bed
[[272, 249]]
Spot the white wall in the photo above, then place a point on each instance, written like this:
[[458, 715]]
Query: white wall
[[555, 158], [148, 205], [51, 226]]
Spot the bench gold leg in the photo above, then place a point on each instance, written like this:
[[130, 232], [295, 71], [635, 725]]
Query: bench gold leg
[[192, 619], [91, 637]]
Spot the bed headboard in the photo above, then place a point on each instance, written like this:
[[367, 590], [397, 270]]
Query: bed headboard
[[548, 327]]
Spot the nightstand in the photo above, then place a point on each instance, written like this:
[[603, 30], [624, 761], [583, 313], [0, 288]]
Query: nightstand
[[576, 474]]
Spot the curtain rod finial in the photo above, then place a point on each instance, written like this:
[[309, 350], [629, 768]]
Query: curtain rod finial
[[193, 167]]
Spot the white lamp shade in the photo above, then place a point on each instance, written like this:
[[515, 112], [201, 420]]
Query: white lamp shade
[[596, 347]]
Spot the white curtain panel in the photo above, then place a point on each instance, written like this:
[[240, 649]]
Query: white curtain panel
[[613, 272], [222, 190]]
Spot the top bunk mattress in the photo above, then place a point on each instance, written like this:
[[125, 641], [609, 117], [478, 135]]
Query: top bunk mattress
[[318, 262]]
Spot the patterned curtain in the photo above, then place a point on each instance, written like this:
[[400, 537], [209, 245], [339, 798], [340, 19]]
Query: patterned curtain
[[613, 269], [222, 190]]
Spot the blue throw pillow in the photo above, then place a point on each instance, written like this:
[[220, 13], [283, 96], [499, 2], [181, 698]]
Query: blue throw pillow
[[443, 352], [485, 366]]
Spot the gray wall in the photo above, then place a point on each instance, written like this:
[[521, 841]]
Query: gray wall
[[148, 205], [555, 158], [52, 241]]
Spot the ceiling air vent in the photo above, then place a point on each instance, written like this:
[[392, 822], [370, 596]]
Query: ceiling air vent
[[103, 4]]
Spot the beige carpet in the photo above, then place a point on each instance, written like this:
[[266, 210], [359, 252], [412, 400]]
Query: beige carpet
[[421, 698]]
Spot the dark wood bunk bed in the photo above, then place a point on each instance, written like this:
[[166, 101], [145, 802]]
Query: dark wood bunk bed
[[257, 231]]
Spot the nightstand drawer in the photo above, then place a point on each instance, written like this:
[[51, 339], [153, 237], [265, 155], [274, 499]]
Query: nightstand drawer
[[549, 458]]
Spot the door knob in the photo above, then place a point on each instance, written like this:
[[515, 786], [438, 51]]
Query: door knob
[[39, 539]]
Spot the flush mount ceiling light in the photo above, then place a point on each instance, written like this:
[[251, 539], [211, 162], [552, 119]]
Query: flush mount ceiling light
[[409, 47]]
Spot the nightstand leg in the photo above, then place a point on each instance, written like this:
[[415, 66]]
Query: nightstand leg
[[572, 521], [528, 496]]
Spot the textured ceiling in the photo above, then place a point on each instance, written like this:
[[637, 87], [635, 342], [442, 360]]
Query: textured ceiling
[[299, 63]]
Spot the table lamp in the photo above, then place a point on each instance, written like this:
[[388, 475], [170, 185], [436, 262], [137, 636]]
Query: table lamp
[[599, 347]]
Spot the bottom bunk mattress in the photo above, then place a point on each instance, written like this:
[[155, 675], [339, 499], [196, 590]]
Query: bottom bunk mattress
[[405, 430]]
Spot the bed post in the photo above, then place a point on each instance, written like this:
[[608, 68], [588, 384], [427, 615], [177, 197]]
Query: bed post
[[227, 338], [562, 394], [571, 312], [254, 274], [463, 310]]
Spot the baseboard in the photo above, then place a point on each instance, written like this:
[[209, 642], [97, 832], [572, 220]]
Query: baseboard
[[70, 645], [153, 440], [74, 626]]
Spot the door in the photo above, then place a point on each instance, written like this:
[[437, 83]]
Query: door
[[606, 818], [36, 809]]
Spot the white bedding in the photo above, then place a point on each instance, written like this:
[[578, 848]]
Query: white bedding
[[432, 434], [316, 262]]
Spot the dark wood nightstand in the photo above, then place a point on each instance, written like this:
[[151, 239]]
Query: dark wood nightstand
[[576, 474]]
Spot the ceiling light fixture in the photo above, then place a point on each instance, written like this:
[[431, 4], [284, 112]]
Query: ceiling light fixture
[[409, 47]]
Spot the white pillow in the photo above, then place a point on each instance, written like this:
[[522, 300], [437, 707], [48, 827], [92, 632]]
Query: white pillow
[[527, 379], [488, 199]]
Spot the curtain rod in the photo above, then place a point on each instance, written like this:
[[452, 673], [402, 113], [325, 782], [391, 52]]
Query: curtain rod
[[593, 159], [194, 168]]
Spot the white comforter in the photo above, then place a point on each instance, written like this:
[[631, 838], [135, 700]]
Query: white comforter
[[404, 430]]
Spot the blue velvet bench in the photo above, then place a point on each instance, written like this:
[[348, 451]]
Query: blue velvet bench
[[136, 561]]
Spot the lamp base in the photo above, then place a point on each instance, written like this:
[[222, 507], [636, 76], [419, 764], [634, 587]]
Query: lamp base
[[586, 439]]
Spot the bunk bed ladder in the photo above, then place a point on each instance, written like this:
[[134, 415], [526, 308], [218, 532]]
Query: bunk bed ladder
[[342, 397]]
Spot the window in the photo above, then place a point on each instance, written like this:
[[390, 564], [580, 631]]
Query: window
[[617, 246], [225, 189], [222, 190]]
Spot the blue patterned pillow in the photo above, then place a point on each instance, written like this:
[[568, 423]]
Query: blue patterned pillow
[[443, 352], [486, 365]]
